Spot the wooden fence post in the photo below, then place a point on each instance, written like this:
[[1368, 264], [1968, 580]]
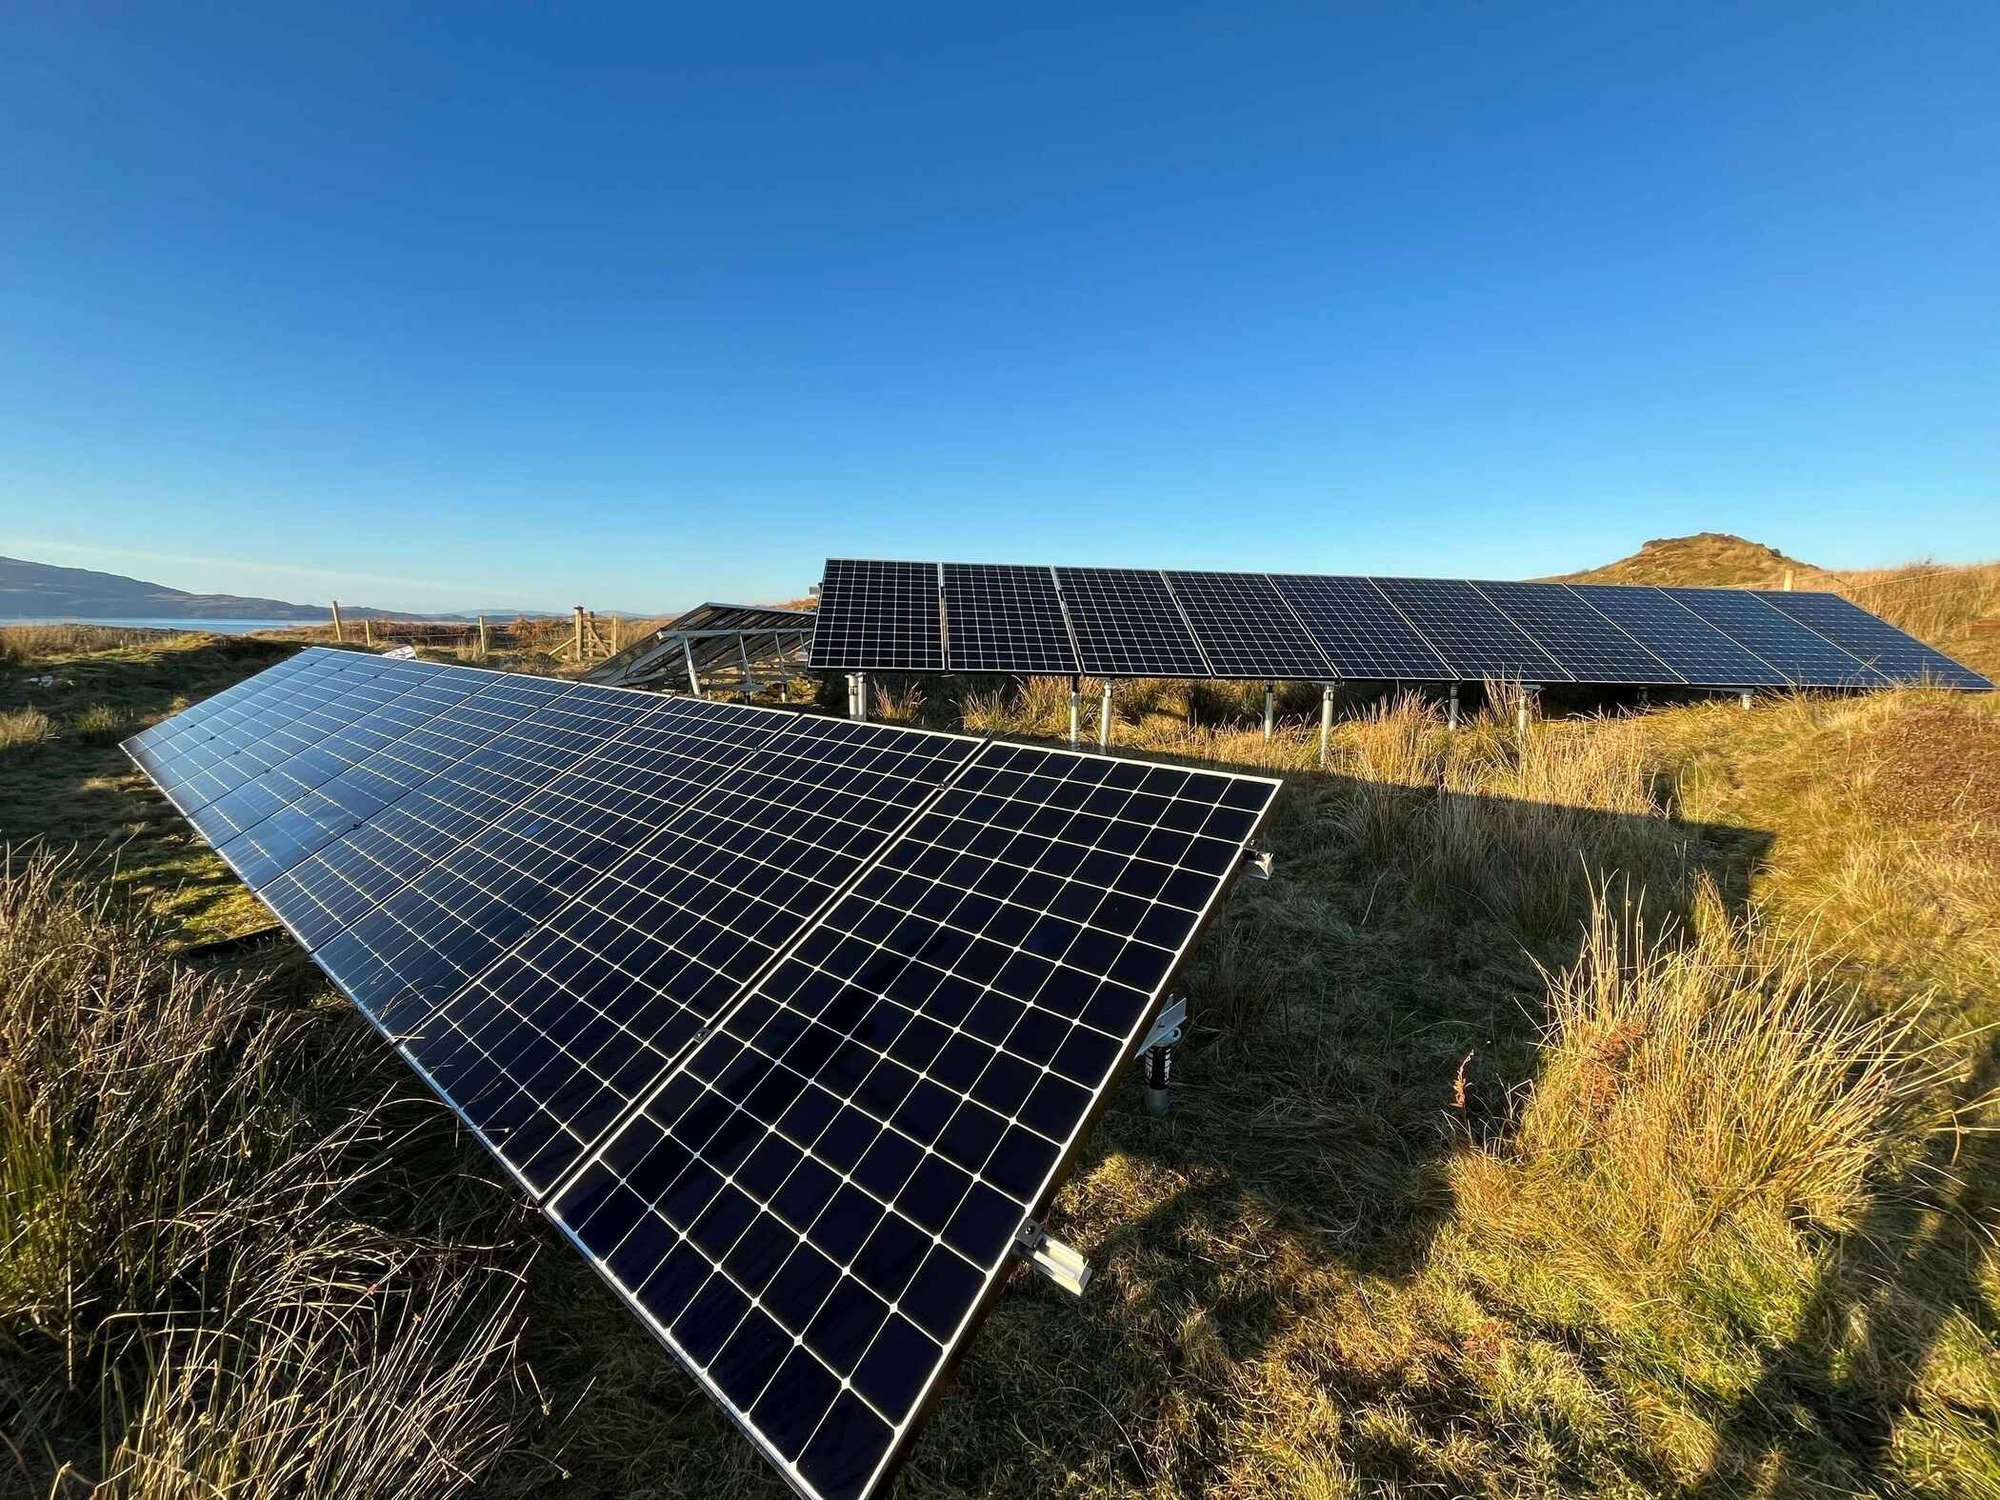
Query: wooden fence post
[[339, 632], [482, 638], [577, 633], [367, 631]]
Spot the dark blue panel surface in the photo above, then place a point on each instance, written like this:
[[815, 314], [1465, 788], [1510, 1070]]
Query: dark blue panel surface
[[1245, 629], [1127, 624]]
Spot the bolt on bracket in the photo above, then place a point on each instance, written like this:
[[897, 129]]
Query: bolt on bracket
[[1051, 1258]]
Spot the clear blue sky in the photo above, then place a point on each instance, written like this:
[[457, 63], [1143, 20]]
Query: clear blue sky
[[636, 306]]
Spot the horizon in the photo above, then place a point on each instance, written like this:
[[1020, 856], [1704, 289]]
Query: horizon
[[422, 313]]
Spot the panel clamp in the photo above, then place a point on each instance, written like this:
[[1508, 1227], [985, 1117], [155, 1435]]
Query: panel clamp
[[1257, 862], [1051, 1258]]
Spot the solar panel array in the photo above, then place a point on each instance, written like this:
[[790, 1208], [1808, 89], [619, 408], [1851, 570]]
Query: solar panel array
[[789, 1023], [1128, 622]]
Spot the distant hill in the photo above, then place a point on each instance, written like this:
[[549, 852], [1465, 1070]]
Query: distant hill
[[1711, 558], [43, 591]]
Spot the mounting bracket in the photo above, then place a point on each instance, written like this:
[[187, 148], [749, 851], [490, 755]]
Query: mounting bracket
[[1157, 1054], [1051, 1258], [1258, 862]]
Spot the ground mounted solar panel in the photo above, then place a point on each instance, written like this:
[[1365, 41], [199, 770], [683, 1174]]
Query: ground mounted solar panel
[[1471, 632], [1361, 634], [812, 1211], [1698, 653], [875, 612], [1803, 656], [791, 1023], [1874, 641], [1245, 628], [1589, 645], [1005, 619], [1127, 624]]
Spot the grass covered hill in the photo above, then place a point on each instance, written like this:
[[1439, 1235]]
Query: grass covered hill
[[1710, 558], [1601, 1111]]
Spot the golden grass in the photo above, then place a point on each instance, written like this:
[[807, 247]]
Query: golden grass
[[24, 728]]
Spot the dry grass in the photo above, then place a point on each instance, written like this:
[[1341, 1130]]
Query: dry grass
[[25, 728], [192, 1299], [26, 645]]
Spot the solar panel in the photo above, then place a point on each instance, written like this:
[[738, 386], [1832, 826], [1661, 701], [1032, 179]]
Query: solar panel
[[1470, 632], [1361, 633], [1699, 653], [812, 1210], [877, 615], [1244, 628], [1127, 624], [1589, 645], [1804, 658], [618, 974], [1874, 641], [1005, 619], [892, 968]]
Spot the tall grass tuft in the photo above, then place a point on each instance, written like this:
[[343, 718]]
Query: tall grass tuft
[[189, 1277], [24, 728], [1707, 1101]]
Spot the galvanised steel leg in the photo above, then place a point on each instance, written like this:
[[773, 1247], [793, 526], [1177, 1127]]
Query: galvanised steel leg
[[1451, 714], [1325, 722], [1104, 718], [1075, 711], [1270, 709]]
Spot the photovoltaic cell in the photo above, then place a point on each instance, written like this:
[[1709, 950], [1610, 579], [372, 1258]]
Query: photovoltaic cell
[[812, 1210], [1470, 632], [1127, 624], [1805, 658], [878, 614], [1244, 628], [1361, 633], [1589, 645], [1005, 619], [1875, 642]]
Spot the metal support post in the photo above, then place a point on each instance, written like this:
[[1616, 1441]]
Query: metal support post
[[1524, 707], [1104, 718], [750, 683], [1325, 723], [1451, 713], [1746, 701], [1645, 696], [861, 695], [1157, 1053], [1075, 711], [694, 677], [1270, 709]]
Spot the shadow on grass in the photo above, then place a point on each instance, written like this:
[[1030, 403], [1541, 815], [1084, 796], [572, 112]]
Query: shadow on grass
[[1832, 1401]]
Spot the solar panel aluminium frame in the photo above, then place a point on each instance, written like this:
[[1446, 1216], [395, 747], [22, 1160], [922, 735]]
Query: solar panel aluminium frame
[[1099, 1094]]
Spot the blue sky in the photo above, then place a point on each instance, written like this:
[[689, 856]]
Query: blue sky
[[639, 306]]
